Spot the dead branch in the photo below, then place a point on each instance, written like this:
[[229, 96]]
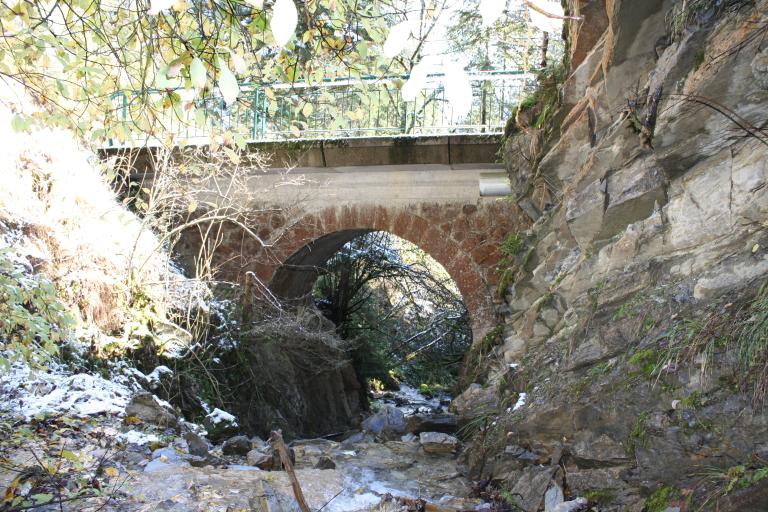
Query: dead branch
[[276, 438], [549, 14]]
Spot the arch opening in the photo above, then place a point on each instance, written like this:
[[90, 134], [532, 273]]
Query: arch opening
[[400, 310]]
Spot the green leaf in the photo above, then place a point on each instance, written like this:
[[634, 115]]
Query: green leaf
[[197, 73], [41, 498], [240, 141], [70, 456], [20, 123], [362, 49], [227, 83]]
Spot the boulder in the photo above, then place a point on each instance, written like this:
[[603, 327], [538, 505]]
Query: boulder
[[220, 425], [388, 423], [163, 458], [260, 459], [325, 462], [475, 401], [438, 443], [238, 445], [591, 449], [418, 423], [147, 407], [529, 490], [571, 506], [196, 444], [259, 443]]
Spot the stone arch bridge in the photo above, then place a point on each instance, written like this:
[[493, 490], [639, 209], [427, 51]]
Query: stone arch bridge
[[444, 194]]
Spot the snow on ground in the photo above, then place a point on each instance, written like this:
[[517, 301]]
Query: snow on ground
[[138, 438], [28, 392], [520, 401]]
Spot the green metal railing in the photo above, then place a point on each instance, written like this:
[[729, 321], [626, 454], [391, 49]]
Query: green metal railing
[[346, 108]]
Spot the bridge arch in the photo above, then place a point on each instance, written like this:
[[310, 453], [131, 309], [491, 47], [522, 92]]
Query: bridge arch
[[464, 239]]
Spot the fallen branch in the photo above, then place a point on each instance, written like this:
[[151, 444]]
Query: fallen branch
[[276, 438]]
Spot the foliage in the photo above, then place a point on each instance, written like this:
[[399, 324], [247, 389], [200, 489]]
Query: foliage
[[59, 473], [74, 56], [477, 354], [126, 70], [507, 278], [661, 498], [600, 496], [543, 103], [631, 308], [512, 245], [510, 248], [501, 45], [740, 476], [638, 437], [33, 322], [646, 360], [398, 307]]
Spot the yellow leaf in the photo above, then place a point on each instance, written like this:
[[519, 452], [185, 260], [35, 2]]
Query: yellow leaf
[[307, 110], [10, 491], [192, 206], [132, 420], [111, 472], [755, 248]]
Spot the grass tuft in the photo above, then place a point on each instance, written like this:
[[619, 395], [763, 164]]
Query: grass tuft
[[752, 344]]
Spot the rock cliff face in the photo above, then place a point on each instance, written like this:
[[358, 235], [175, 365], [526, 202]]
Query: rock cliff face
[[635, 323]]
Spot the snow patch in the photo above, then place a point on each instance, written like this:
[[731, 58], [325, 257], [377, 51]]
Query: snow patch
[[153, 377], [218, 416], [520, 401], [29, 392], [138, 438]]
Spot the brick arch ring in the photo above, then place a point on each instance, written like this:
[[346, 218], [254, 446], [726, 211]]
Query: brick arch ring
[[464, 239]]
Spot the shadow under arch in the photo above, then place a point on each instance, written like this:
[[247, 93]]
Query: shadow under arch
[[293, 279]]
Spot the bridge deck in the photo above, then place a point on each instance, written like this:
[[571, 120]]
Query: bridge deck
[[447, 151]]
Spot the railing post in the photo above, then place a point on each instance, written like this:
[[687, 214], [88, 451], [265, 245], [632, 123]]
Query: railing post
[[254, 112], [264, 113]]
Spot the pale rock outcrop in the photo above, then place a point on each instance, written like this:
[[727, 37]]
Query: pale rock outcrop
[[621, 284]]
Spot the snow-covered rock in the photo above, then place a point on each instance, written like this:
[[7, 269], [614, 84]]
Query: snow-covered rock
[[147, 407], [220, 425], [28, 392]]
